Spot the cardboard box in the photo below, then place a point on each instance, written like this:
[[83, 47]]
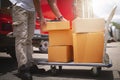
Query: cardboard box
[[58, 25], [60, 53], [88, 47], [81, 25], [60, 37]]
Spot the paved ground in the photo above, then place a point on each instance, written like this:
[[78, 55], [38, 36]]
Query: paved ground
[[8, 68]]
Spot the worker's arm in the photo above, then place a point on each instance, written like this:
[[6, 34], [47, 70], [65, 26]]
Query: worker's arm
[[54, 7], [39, 12]]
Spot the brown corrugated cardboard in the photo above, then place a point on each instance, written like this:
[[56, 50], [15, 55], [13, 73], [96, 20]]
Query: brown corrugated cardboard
[[60, 37], [88, 47], [58, 25], [60, 53], [81, 25]]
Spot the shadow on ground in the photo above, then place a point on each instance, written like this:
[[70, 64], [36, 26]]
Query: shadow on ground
[[9, 65], [78, 73]]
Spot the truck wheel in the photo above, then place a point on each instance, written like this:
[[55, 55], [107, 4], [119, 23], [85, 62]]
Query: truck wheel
[[43, 46], [11, 52]]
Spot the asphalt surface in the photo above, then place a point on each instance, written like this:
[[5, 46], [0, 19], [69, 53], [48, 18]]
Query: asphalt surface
[[8, 68]]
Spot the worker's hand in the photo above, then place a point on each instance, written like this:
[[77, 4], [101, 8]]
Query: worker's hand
[[61, 18], [43, 24]]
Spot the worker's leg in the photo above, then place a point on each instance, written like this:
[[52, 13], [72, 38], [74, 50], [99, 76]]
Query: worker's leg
[[31, 27], [20, 26], [20, 33]]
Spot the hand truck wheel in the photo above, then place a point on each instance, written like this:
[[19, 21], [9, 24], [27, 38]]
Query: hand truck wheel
[[96, 71], [53, 70], [60, 68]]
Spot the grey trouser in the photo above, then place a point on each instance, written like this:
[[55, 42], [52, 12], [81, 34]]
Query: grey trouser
[[23, 30]]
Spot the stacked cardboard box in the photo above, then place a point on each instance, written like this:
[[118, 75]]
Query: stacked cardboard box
[[60, 37], [60, 42], [88, 40], [60, 53], [84, 44]]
